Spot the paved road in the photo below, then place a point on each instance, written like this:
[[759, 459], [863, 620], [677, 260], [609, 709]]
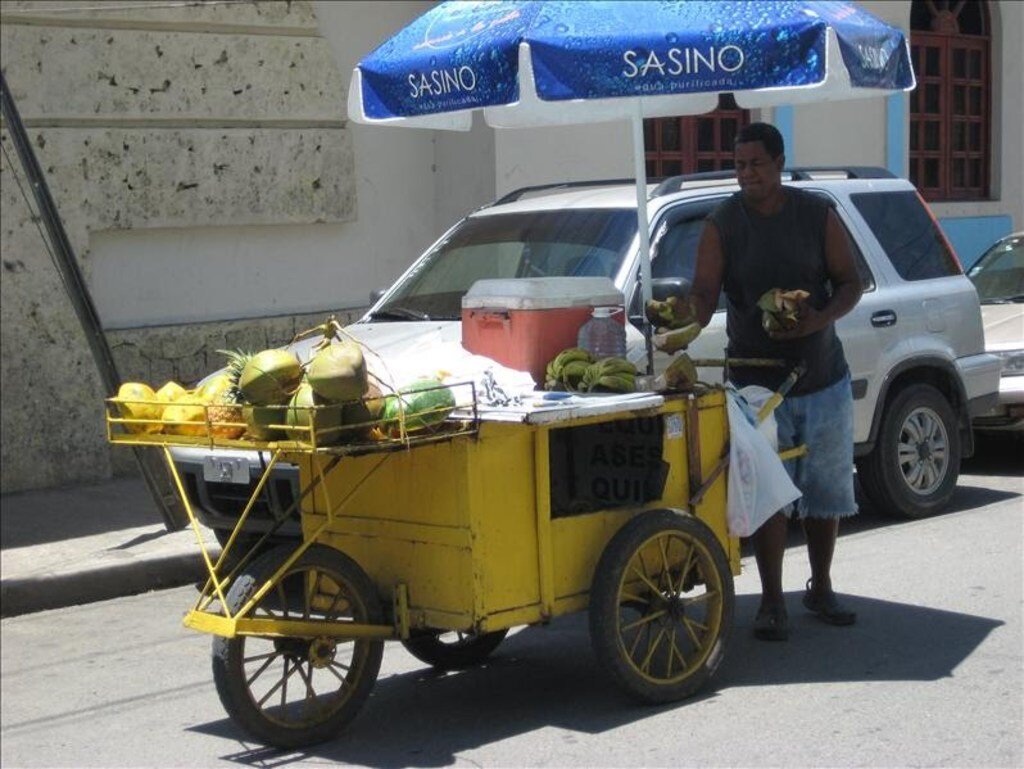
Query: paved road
[[930, 676]]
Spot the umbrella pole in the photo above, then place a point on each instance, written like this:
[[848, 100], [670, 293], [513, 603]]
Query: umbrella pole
[[643, 226]]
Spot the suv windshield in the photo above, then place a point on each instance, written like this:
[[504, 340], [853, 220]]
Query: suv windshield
[[536, 244], [998, 275]]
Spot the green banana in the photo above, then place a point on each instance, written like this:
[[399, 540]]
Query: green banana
[[575, 369], [615, 365], [565, 370], [571, 354], [609, 375], [573, 372], [678, 339], [615, 383]]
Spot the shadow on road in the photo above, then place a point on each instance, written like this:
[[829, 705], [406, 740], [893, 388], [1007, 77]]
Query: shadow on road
[[999, 454], [548, 677]]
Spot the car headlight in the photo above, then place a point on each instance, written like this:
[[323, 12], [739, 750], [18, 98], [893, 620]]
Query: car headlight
[[1013, 362]]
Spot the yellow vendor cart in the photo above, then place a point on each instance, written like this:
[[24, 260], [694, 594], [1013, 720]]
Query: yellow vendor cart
[[444, 539]]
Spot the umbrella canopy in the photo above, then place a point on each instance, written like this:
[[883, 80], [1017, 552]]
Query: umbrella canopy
[[537, 63], [563, 62]]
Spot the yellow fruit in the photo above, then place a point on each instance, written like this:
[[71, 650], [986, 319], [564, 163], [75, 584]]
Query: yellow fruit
[[220, 414], [180, 413], [138, 401], [189, 397], [214, 389], [170, 392]]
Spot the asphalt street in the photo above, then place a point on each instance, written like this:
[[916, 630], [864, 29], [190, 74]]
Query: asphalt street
[[930, 676]]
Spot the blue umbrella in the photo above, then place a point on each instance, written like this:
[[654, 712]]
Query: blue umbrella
[[536, 62]]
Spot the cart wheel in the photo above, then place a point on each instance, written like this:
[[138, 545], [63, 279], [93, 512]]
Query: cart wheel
[[450, 651], [291, 692], [661, 606]]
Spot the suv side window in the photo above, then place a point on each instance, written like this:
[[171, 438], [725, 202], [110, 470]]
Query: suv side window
[[867, 280], [674, 251], [907, 233]]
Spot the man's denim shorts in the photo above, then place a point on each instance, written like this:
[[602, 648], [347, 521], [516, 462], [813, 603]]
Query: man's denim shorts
[[824, 421]]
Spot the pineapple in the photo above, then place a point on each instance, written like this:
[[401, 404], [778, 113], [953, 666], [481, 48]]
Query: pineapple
[[227, 404]]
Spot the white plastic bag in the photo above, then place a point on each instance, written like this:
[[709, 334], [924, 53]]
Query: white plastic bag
[[759, 485]]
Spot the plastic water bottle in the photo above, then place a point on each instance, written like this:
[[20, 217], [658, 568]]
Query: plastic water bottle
[[602, 336]]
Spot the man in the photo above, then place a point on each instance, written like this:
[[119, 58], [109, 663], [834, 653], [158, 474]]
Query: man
[[768, 236]]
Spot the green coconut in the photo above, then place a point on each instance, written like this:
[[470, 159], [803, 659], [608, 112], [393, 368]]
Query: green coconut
[[361, 414], [258, 420], [323, 421], [338, 372], [270, 377]]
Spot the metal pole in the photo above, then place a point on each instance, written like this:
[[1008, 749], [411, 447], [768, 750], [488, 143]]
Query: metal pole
[[67, 267], [643, 225]]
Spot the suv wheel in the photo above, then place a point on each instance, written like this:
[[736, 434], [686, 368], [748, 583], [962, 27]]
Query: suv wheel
[[913, 470]]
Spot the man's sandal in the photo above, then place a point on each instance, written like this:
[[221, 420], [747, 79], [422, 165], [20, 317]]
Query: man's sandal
[[771, 624], [827, 608]]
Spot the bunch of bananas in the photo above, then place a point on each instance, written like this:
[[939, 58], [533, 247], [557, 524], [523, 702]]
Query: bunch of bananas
[[780, 309], [613, 375], [566, 370], [675, 320], [681, 374]]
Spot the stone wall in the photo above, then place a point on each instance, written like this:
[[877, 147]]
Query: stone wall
[[144, 116]]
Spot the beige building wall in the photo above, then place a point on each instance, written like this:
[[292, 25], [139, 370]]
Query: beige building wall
[[218, 197], [178, 143]]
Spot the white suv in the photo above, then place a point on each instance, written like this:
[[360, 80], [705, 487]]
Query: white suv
[[914, 342]]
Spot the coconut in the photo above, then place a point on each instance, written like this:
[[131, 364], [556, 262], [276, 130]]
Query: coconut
[[362, 413], [138, 401], [258, 420], [270, 377], [338, 372], [301, 413]]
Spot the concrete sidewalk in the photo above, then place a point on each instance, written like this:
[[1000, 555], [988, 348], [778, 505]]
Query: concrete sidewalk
[[62, 547]]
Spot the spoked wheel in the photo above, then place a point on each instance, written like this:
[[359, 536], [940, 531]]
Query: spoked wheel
[[291, 692], [450, 651], [661, 606]]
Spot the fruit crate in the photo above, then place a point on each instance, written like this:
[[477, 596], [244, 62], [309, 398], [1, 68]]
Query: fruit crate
[[296, 429]]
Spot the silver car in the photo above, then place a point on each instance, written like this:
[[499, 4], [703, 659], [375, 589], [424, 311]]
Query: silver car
[[998, 277], [914, 342]]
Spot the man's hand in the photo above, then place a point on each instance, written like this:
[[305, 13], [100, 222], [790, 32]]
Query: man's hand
[[808, 321]]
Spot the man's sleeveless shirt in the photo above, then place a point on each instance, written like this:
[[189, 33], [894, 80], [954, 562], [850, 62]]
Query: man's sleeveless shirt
[[787, 251]]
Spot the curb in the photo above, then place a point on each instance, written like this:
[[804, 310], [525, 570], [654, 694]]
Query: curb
[[57, 591]]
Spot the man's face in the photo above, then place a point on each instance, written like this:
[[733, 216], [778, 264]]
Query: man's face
[[757, 173]]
